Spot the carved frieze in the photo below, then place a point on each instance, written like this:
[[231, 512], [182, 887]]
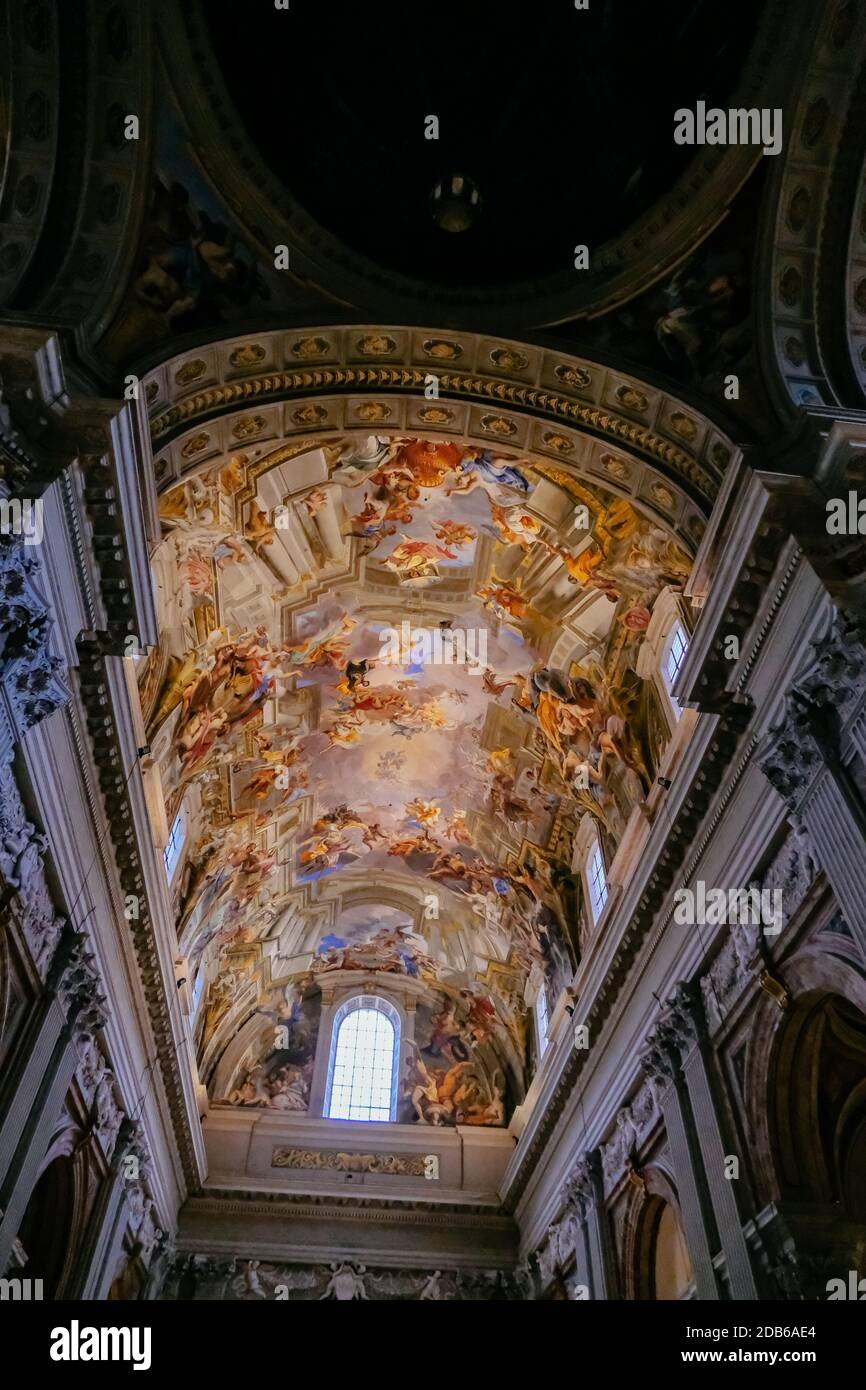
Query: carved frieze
[[76, 980], [22, 849], [634, 1124], [30, 676], [723, 983], [96, 1080], [548, 1256], [30, 689], [792, 871], [212, 1277], [322, 1160]]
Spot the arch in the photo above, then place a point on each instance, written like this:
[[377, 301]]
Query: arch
[[638, 438], [293, 423], [817, 1103], [624, 266], [654, 1257], [671, 1269], [47, 1227], [812, 359], [785, 1159], [265, 1057], [74, 192], [363, 1064]]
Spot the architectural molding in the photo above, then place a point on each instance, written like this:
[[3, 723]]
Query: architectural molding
[[330, 386]]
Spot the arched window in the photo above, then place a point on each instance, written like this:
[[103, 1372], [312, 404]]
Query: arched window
[[662, 653], [676, 646], [590, 859], [174, 848], [362, 1071], [596, 880], [542, 1020]]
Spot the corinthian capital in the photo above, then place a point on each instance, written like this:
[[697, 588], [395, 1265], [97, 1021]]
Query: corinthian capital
[[790, 758], [76, 980], [30, 675], [687, 1015], [582, 1184], [661, 1060]]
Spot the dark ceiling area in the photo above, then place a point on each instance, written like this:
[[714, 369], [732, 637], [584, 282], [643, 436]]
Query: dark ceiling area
[[563, 118]]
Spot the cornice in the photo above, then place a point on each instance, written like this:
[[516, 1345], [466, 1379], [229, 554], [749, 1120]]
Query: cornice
[[770, 610], [285, 385], [43, 432], [72, 512], [744, 548], [113, 783], [277, 394], [400, 1211], [725, 740]]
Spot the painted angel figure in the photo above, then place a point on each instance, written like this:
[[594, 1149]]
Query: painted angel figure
[[515, 526], [481, 468], [358, 461]]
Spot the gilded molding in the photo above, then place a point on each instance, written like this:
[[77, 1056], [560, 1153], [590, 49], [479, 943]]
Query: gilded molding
[[278, 386]]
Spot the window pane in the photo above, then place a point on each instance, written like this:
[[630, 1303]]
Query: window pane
[[676, 653], [171, 853], [363, 1067], [542, 1019], [597, 881]]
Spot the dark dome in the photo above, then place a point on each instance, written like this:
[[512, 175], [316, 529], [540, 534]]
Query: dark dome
[[566, 126]]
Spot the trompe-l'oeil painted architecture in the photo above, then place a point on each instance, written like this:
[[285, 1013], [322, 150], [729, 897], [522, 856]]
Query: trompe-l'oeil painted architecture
[[432, 695]]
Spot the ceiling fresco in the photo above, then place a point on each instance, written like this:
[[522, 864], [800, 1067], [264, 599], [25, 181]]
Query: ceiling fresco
[[394, 675]]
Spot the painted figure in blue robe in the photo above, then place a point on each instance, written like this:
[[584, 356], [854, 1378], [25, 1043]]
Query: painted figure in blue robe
[[481, 468]]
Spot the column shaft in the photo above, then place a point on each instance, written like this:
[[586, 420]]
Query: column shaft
[[835, 825], [722, 1194]]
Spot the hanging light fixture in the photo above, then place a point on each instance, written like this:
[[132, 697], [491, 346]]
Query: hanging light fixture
[[455, 203]]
